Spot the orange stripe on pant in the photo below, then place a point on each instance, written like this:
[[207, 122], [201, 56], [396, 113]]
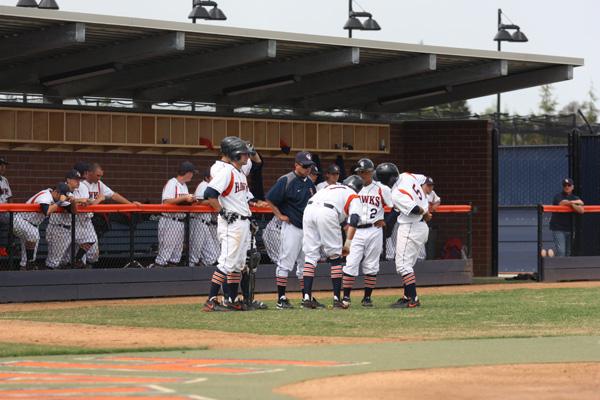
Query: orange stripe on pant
[[349, 282], [309, 270]]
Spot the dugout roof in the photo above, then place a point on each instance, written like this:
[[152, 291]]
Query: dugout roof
[[69, 55]]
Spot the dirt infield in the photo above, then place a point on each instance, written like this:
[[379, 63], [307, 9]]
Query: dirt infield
[[506, 382]]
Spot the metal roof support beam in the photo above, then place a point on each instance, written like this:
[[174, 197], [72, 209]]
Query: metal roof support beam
[[484, 88], [121, 53], [32, 43], [347, 78], [209, 88], [174, 69], [370, 96]]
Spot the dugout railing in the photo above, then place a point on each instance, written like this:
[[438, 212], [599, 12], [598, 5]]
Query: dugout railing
[[570, 268], [131, 242]]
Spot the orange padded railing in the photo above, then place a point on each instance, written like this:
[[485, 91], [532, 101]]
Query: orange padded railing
[[567, 209]]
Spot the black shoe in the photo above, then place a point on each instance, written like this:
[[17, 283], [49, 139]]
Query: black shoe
[[284, 304], [259, 305], [309, 304], [213, 305], [236, 305], [366, 302], [317, 304], [337, 304], [405, 302]]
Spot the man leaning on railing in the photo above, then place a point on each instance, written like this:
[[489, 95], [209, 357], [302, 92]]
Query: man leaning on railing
[[561, 223]]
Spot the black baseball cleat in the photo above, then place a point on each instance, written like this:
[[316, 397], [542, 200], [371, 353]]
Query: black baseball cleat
[[213, 305], [284, 304], [366, 302], [341, 305], [405, 302], [317, 304], [254, 305], [309, 304], [236, 305]]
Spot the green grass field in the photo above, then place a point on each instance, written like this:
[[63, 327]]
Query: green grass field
[[499, 314]]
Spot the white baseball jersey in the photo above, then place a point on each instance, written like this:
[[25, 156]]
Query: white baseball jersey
[[65, 218], [5, 192], [219, 165], [433, 198], [374, 198], [231, 183], [406, 194], [97, 188], [173, 190], [322, 185], [341, 197], [199, 193], [43, 197]]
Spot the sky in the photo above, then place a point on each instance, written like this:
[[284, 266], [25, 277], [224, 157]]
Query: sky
[[553, 28]]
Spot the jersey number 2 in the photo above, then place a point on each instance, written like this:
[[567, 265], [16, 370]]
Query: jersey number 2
[[373, 213]]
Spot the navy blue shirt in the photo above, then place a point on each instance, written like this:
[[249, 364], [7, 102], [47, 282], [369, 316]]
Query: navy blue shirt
[[562, 221], [291, 194]]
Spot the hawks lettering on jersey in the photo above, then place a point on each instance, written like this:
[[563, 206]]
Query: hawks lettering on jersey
[[231, 183], [97, 188], [374, 197]]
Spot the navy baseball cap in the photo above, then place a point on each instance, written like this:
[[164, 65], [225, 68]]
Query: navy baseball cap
[[82, 167], [429, 181], [567, 181], [3, 161], [314, 170], [62, 188], [333, 169], [186, 167], [305, 159], [73, 174]]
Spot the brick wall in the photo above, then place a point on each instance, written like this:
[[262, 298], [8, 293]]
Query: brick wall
[[456, 154]]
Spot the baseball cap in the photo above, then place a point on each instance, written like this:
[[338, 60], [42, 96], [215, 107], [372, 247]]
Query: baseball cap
[[82, 167], [429, 181], [3, 161], [333, 169], [304, 158], [567, 181], [62, 188], [73, 174], [186, 167], [314, 170]]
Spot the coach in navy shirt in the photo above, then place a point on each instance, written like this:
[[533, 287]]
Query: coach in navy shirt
[[561, 223], [288, 199]]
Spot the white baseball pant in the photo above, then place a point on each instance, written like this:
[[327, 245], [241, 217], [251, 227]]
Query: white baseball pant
[[365, 251], [204, 246], [290, 254], [171, 234], [411, 237], [58, 237], [234, 239], [85, 233], [321, 230], [27, 233]]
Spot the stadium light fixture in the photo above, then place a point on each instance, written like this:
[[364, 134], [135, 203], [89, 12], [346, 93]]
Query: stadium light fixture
[[199, 12], [354, 23], [27, 3], [48, 5]]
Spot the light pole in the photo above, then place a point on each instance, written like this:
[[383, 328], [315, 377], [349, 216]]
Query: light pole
[[199, 12], [354, 23], [504, 36]]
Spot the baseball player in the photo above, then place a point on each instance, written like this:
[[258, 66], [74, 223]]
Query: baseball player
[[323, 215], [314, 174], [58, 232], [171, 226], [204, 247], [434, 202], [26, 224], [332, 174], [98, 192], [227, 193], [411, 202], [5, 192], [254, 157], [367, 244], [288, 199]]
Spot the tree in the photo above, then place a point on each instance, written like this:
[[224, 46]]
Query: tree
[[589, 107], [548, 102]]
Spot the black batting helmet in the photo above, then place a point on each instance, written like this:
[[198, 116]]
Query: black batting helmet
[[233, 147], [387, 173], [354, 182], [363, 165]]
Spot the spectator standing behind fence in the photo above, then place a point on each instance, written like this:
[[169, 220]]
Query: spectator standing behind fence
[[561, 223], [26, 224], [434, 202], [332, 174], [171, 226], [204, 247], [98, 192], [5, 192]]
